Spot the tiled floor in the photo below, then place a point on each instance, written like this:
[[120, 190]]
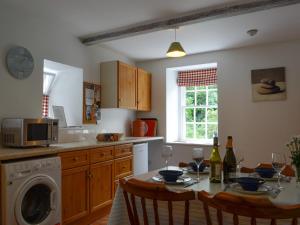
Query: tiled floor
[[102, 221]]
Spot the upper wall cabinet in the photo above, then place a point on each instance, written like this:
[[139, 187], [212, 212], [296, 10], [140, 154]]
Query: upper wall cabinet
[[127, 80], [144, 90], [125, 86]]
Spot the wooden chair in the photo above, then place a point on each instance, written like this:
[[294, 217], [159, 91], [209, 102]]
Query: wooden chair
[[251, 207], [287, 170], [156, 192]]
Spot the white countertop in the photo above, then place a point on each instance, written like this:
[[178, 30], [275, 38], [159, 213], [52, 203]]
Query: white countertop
[[17, 153]]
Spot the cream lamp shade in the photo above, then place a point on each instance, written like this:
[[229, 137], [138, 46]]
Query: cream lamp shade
[[175, 49]]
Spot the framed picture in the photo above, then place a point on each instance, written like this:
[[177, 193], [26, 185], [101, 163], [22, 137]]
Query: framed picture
[[91, 103], [268, 84]]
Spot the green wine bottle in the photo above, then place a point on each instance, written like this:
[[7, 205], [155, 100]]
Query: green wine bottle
[[229, 163], [215, 163]]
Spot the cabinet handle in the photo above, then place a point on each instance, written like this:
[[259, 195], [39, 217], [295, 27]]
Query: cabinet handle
[[75, 158], [90, 175]]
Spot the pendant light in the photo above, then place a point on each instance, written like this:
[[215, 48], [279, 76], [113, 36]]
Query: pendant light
[[175, 49]]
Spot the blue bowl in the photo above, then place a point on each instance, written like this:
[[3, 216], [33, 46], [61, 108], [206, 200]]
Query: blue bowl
[[170, 175], [250, 183], [193, 165], [265, 172]]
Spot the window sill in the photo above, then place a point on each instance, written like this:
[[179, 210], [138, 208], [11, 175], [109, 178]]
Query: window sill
[[189, 143]]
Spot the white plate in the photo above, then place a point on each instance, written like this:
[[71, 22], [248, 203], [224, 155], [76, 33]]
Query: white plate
[[263, 189], [181, 180], [191, 171]]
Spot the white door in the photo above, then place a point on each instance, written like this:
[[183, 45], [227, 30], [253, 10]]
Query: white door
[[38, 202]]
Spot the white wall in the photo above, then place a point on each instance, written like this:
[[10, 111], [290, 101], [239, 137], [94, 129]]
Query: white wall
[[258, 128], [67, 92], [45, 40]]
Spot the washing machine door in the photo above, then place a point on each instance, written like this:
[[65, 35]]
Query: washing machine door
[[37, 202]]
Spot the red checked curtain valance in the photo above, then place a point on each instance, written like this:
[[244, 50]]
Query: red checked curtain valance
[[203, 77]]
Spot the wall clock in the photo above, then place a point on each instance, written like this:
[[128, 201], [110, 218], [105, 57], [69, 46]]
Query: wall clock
[[19, 62]]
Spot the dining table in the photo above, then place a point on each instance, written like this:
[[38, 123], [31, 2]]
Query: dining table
[[289, 195]]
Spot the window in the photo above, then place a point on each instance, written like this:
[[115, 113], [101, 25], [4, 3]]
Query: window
[[198, 105]]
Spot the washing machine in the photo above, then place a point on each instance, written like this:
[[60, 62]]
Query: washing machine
[[31, 192]]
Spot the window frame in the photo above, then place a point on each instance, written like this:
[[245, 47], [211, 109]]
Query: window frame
[[182, 114]]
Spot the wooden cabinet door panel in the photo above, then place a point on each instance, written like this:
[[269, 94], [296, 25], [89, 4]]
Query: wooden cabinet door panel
[[123, 167], [143, 90], [102, 154], [74, 159], [75, 194], [101, 184], [123, 150], [127, 84]]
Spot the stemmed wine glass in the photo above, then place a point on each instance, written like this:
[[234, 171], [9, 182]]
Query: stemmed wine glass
[[198, 157], [239, 159], [278, 163], [166, 154]]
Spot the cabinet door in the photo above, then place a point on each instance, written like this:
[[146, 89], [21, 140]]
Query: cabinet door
[[123, 167], [75, 194], [101, 185], [127, 84], [143, 90]]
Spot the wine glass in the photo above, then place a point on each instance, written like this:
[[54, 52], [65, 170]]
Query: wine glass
[[198, 157], [278, 163], [166, 154], [239, 159]]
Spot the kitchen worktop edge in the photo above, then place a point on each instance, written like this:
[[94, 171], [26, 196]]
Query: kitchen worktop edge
[[19, 153]]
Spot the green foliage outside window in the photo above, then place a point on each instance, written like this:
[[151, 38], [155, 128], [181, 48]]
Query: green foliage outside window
[[189, 115], [189, 131], [201, 112], [190, 99]]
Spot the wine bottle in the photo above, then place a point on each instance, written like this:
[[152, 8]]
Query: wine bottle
[[215, 163], [229, 163]]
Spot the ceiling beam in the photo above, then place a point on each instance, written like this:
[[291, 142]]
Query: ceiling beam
[[223, 11]]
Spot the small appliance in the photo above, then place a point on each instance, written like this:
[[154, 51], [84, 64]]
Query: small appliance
[[21, 132]]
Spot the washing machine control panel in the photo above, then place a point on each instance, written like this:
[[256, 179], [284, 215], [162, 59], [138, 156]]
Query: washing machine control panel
[[16, 170]]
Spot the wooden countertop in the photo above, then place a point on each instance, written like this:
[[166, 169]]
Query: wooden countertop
[[18, 153]]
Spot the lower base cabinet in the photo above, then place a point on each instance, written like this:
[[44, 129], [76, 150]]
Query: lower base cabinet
[[75, 194], [89, 181], [101, 185]]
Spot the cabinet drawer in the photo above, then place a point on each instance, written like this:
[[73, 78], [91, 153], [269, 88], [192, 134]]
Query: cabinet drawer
[[123, 150], [101, 154], [74, 159], [123, 167]]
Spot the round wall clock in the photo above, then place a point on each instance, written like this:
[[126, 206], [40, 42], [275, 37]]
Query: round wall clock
[[19, 62]]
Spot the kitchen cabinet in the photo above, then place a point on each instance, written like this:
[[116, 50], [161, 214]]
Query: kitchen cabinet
[[75, 194], [125, 86], [127, 80], [88, 181], [101, 184], [144, 90]]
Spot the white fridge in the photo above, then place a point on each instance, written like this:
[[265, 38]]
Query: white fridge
[[140, 158]]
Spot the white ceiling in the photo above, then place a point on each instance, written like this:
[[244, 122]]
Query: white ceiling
[[273, 25], [82, 17]]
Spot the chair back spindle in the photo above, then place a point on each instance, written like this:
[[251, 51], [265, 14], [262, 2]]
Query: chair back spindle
[[155, 192]]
